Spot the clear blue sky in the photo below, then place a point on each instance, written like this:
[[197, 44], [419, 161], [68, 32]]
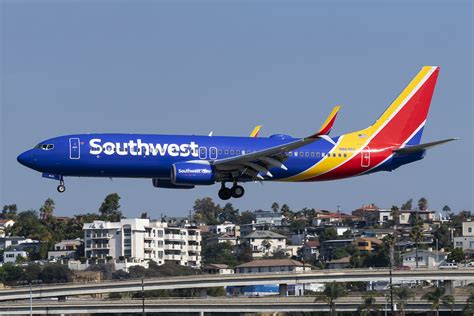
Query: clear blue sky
[[197, 66]]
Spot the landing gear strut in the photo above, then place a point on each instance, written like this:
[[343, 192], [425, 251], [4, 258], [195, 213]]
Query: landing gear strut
[[61, 187], [237, 191]]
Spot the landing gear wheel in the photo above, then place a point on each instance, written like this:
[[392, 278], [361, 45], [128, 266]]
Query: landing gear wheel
[[237, 191], [61, 188], [225, 193]]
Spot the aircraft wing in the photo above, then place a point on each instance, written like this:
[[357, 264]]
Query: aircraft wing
[[254, 163], [417, 148]]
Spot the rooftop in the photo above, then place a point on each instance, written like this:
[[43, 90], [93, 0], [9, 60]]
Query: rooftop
[[263, 234]]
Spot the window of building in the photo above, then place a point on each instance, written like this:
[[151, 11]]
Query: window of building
[[469, 229]]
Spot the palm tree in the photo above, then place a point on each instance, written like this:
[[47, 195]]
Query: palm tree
[[423, 204], [395, 213], [402, 295], [368, 306], [417, 235], [469, 308], [446, 210], [332, 291], [438, 298]]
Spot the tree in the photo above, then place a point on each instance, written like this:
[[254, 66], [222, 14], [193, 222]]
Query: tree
[[55, 273], [368, 306], [469, 308], [447, 210], [332, 291], [286, 211], [443, 235], [438, 298], [407, 205], [328, 233], [244, 253], [144, 215], [46, 211], [246, 217], [298, 225], [109, 210], [9, 211], [416, 235], [229, 214], [457, 255], [215, 252], [402, 295], [389, 244], [395, 213], [207, 211], [275, 207], [423, 204]]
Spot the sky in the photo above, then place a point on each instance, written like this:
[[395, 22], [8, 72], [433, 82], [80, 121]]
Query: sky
[[191, 67]]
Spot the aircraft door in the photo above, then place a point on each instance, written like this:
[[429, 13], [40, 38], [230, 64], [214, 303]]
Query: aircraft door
[[365, 157], [213, 153], [202, 152], [74, 148]]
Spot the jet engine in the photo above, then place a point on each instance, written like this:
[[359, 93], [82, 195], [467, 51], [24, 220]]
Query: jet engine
[[166, 184], [192, 173]]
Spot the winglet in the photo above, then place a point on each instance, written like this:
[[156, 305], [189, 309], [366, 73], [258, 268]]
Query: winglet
[[327, 125], [255, 131]]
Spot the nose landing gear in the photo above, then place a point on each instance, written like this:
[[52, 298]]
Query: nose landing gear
[[237, 191], [61, 187]]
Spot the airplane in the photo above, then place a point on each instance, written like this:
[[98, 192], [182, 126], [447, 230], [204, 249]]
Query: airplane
[[186, 161]]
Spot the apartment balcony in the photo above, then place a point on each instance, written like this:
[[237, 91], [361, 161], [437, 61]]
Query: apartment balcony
[[173, 257], [175, 237], [194, 258], [173, 246], [194, 237], [194, 248], [148, 246], [149, 237], [99, 246], [100, 236]]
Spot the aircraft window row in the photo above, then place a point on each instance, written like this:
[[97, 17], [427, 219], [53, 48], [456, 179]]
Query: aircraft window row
[[45, 146], [316, 154]]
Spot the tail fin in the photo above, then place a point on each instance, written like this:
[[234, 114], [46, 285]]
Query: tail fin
[[403, 121]]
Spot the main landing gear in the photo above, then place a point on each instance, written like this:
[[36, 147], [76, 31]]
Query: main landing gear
[[237, 191], [61, 187]]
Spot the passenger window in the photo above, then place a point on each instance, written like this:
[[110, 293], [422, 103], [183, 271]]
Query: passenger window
[[312, 154], [237, 152], [231, 151], [301, 154], [317, 154], [307, 154], [339, 155], [345, 155], [220, 151], [290, 153], [334, 154], [226, 152]]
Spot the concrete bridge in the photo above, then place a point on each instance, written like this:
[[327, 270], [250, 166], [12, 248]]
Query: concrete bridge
[[207, 281]]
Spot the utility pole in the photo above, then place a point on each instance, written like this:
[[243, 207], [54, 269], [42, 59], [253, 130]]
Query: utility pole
[[31, 301], [143, 298]]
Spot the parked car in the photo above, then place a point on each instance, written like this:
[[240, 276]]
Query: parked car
[[449, 265]]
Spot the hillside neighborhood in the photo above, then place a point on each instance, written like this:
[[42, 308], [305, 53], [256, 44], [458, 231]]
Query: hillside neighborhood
[[223, 240]]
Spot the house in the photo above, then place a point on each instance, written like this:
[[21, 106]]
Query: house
[[272, 266], [264, 243], [341, 263], [367, 244], [9, 241], [310, 249], [325, 217], [407, 216], [426, 258], [228, 238], [65, 249], [215, 268], [11, 255], [225, 228], [378, 233], [4, 224], [377, 217], [269, 217], [328, 246], [466, 240]]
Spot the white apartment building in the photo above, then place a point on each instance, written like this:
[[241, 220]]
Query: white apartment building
[[264, 243], [143, 239], [466, 241]]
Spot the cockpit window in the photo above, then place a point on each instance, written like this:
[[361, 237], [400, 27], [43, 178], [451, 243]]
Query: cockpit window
[[45, 146]]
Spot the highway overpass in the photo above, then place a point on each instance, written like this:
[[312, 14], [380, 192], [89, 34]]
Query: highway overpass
[[207, 281], [209, 305]]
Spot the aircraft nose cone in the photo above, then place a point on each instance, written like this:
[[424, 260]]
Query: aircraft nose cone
[[26, 158]]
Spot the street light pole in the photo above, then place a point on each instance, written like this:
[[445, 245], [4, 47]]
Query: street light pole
[[31, 301], [143, 298]]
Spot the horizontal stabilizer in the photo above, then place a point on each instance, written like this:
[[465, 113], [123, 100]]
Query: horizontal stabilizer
[[417, 148]]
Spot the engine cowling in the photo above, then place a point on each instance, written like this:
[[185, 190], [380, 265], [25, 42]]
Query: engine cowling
[[167, 184], [191, 173]]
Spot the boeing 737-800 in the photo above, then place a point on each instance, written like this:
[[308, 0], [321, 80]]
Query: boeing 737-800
[[183, 162]]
